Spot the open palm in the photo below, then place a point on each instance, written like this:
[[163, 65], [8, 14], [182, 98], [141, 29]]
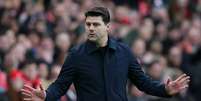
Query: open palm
[[176, 86], [32, 94]]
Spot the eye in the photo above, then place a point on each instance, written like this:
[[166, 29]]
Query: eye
[[96, 24], [88, 24]]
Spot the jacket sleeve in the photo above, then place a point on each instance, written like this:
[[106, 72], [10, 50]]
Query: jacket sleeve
[[142, 81], [64, 80]]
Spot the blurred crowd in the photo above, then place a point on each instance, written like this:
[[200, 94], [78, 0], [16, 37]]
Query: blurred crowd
[[36, 35]]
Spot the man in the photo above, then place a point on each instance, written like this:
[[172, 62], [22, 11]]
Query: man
[[100, 67]]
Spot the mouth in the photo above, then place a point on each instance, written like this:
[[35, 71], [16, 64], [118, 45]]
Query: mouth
[[91, 35]]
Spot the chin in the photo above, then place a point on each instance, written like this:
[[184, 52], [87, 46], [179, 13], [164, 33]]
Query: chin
[[92, 39]]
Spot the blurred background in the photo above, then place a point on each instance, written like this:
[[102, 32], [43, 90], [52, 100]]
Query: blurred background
[[36, 35]]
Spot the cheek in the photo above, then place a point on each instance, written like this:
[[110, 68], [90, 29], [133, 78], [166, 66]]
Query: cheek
[[101, 30], [100, 33]]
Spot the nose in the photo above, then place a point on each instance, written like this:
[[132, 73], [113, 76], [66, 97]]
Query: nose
[[91, 28]]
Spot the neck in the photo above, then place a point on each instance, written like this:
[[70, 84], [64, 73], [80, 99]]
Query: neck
[[102, 42]]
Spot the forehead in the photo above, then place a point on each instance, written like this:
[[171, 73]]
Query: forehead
[[92, 19]]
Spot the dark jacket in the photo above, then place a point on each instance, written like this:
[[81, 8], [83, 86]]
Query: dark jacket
[[102, 75]]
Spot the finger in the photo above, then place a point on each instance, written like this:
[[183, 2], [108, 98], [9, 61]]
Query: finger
[[168, 81], [41, 87], [184, 87], [184, 80], [27, 99], [26, 95], [29, 88], [180, 77], [25, 91]]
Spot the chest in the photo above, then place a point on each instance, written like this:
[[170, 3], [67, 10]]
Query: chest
[[96, 66]]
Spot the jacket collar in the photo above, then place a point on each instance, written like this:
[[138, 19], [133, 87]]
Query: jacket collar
[[91, 46]]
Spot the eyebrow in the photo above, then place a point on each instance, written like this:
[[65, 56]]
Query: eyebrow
[[97, 23], [91, 22]]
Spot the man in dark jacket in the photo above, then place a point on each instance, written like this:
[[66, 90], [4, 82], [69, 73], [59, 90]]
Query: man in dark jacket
[[100, 67]]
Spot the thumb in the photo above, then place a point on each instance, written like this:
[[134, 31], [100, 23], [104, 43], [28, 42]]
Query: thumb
[[168, 80], [38, 87], [41, 87]]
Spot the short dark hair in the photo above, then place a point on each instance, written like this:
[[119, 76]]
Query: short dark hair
[[99, 11], [25, 63]]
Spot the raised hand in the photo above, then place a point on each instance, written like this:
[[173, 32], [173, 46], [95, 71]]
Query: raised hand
[[176, 86], [32, 94]]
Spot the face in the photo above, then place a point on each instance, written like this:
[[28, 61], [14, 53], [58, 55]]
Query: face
[[138, 48], [31, 71], [96, 29], [175, 56], [43, 70]]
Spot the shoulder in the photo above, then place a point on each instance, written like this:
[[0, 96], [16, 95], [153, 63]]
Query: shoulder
[[125, 49], [122, 46], [75, 53], [78, 49]]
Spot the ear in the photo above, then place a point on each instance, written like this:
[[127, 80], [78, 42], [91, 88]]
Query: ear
[[108, 27]]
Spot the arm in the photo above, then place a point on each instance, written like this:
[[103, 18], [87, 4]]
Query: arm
[[142, 81], [64, 80]]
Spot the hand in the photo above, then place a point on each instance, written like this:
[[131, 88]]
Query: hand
[[32, 94], [176, 86]]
